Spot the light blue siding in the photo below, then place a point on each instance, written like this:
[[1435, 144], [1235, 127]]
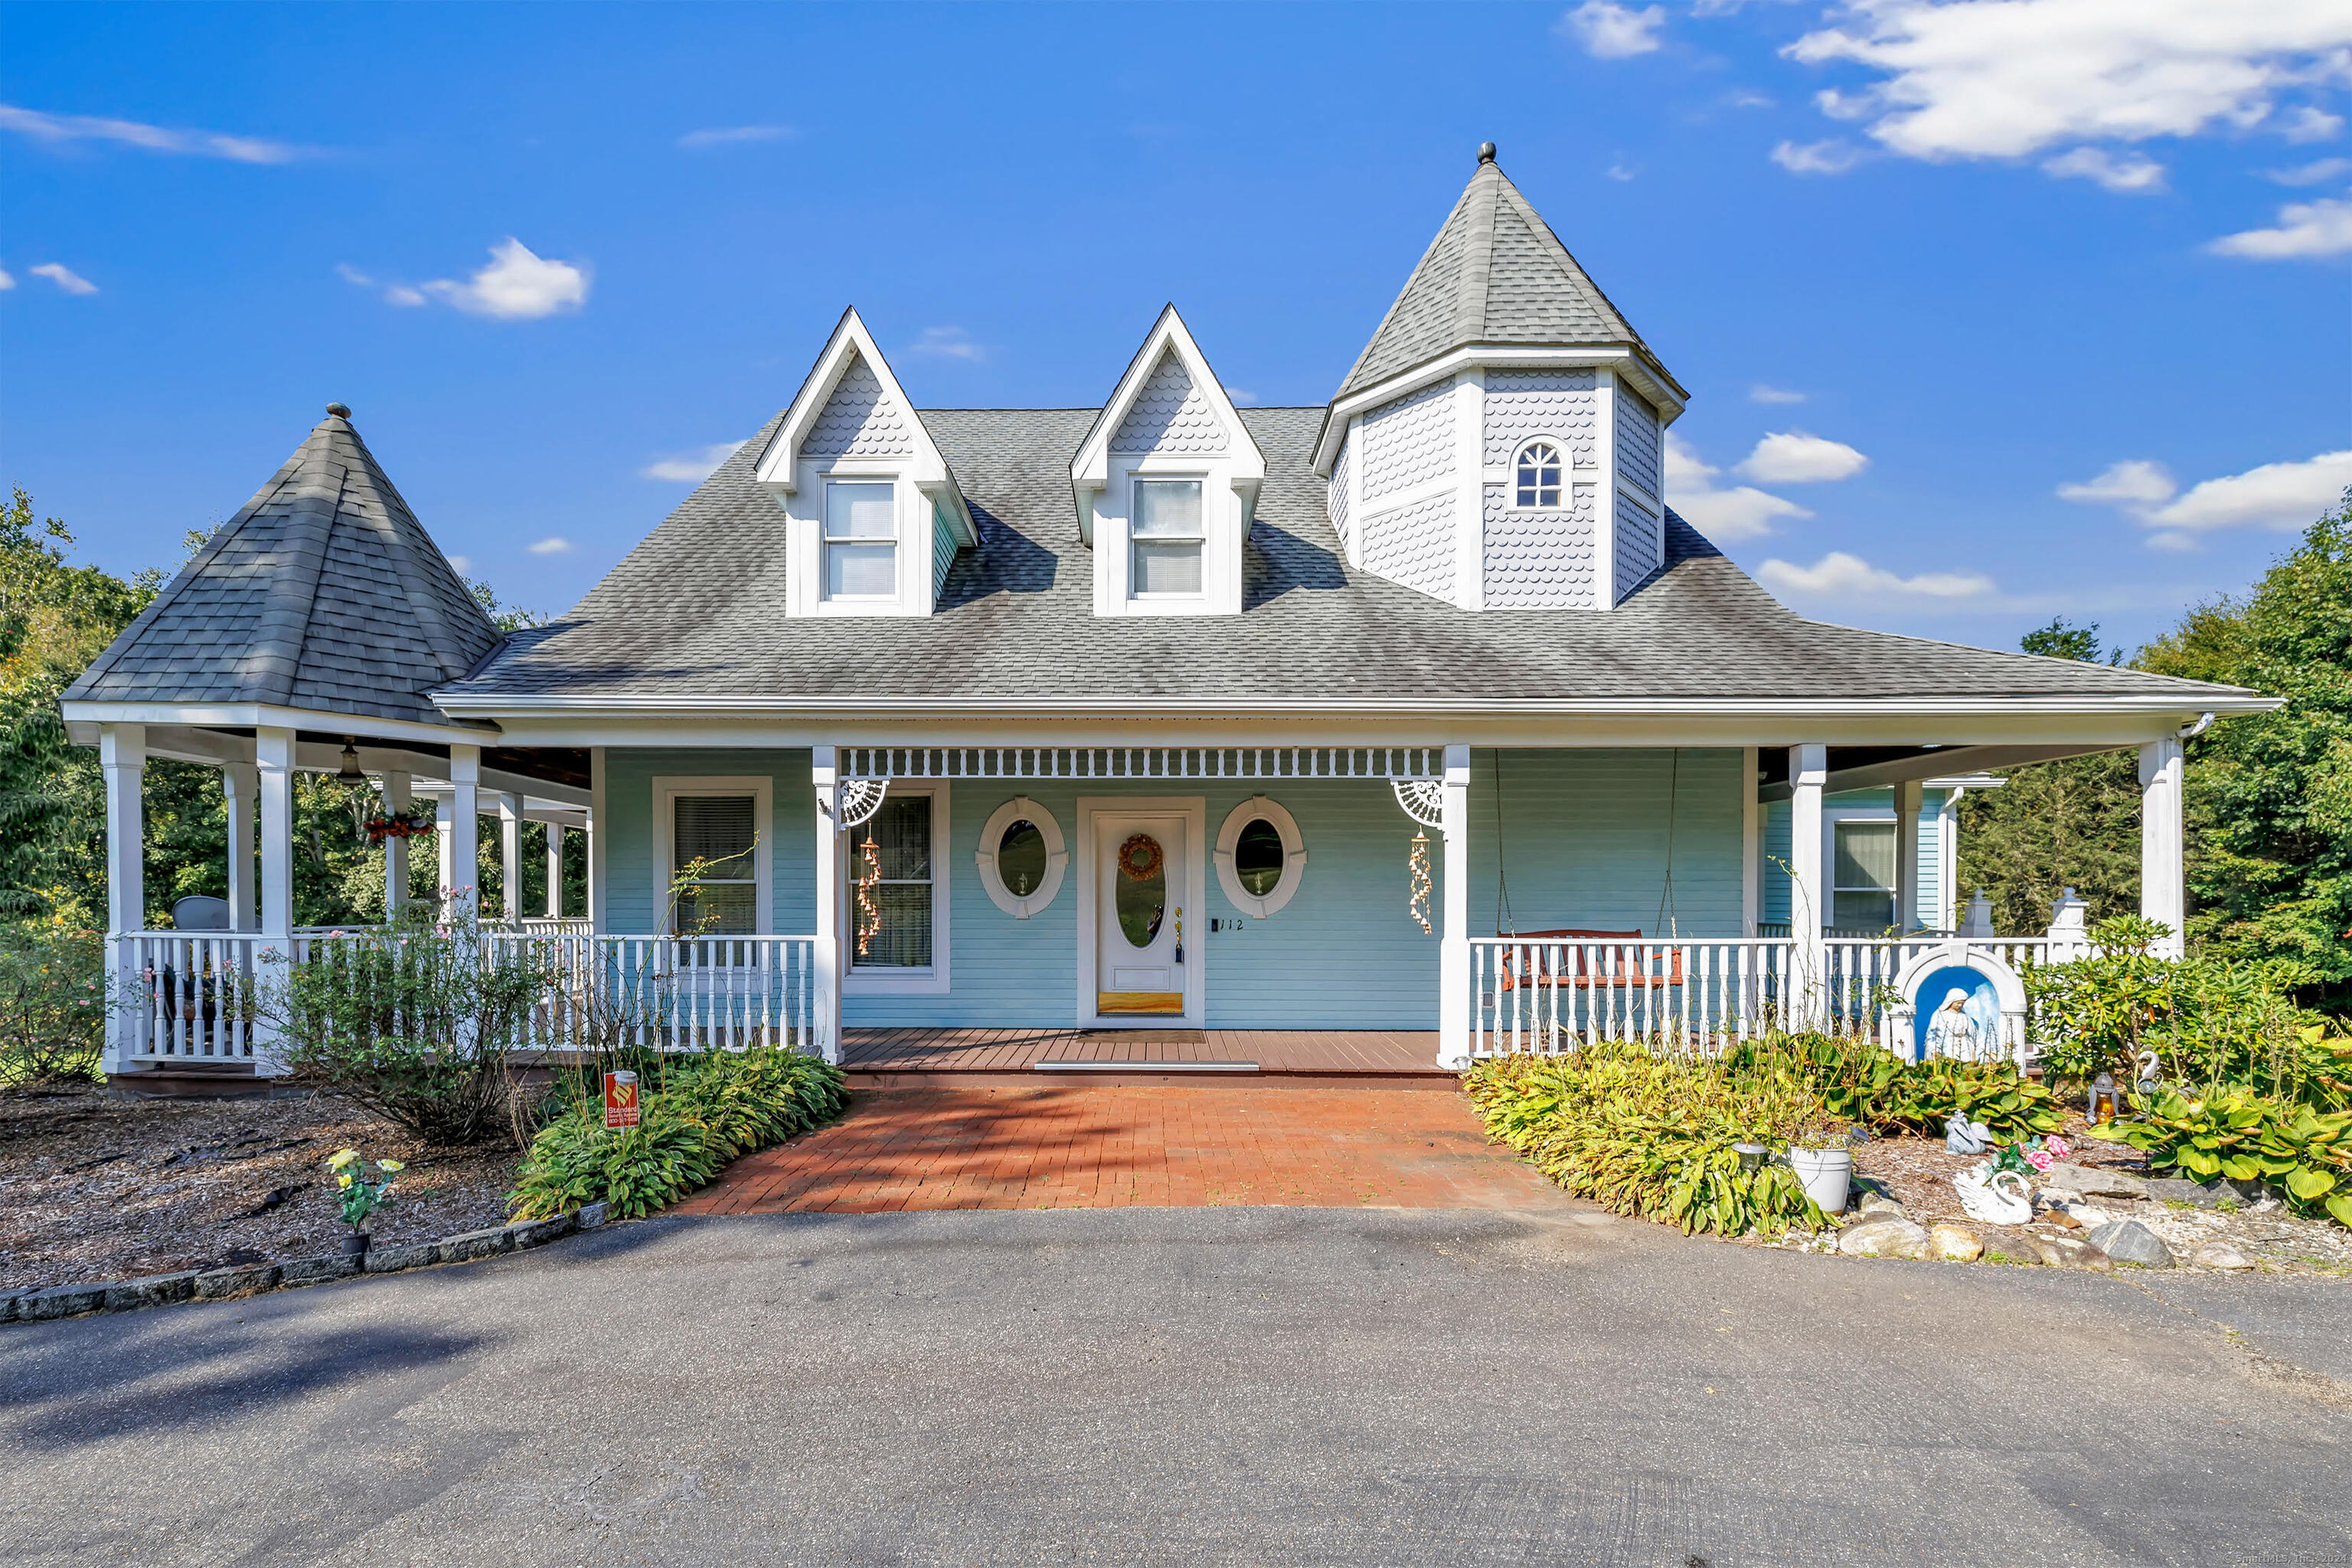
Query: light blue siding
[[1929, 908], [633, 889]]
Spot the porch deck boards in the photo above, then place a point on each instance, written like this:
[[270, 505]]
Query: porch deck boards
[[1321, 1053]]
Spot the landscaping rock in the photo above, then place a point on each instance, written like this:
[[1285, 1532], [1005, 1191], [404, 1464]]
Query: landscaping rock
[[591, 1215], [2128, 1241], [1955, 1243], [539, 1232], [212, 1284], [399, 1255], [2172, 1190], [1888, 1238], [316, 1269], [155, 1291], [476, 1244], [61, 1301], [1880, 1204], [2065, 1252], [2221, 1255], [8, 1308], [2090, 1181]]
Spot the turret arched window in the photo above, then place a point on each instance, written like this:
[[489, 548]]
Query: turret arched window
[[1537, 475]]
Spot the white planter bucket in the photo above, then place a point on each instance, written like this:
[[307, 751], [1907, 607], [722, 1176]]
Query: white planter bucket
[[1827, 1176]]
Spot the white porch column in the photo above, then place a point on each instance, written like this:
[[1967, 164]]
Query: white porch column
[[554, 871], [462, 853], [1907, 798], [1454, 945], [509, 858], [395, 848], [2163, 864], [1808, 986], [824, 772], [123, 757], [241, 787], [273, 750]]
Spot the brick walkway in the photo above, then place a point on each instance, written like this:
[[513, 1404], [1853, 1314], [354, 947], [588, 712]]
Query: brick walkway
[[1096, 1147]]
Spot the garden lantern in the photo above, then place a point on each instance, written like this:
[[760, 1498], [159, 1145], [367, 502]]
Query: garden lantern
[[2104, 1104]]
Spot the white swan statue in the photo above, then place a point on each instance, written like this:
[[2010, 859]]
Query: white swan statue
[[1995, 1197], [2151, 1076], [1962, 1136]]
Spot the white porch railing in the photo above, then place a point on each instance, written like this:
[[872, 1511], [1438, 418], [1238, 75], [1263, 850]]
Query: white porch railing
[[186, 995]]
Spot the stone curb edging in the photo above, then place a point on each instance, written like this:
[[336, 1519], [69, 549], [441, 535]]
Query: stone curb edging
[[251, 1278]]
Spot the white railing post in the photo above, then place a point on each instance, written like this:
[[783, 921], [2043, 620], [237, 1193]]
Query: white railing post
[[824, 772], [274, 955], [1807, 996], [2163, 894], [1454, 947], [2069, 936]]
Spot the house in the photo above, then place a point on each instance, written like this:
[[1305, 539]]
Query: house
[[1417, 711]]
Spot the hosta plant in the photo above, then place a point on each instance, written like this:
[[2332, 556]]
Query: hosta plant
[[2237, 1134]]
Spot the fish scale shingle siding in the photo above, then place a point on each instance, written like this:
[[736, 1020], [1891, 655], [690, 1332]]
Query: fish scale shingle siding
[[1539, 560], [1564, 405], [1409, 442], [1413, 545], [1637, 438], [1335, 494], [1169, 415], [1637, 543], [860, 420]]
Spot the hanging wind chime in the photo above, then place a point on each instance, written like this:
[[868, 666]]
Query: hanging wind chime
[[1417, 864], [869, 908]]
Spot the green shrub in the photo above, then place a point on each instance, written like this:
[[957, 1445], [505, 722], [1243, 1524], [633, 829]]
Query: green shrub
[[52, 1004], [704, 1111], [1869, 1084], [1652, 1136], [2238, 1134]]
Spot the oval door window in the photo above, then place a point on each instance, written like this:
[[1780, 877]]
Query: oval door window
[[1143, 896], [1021, 858], [1259, 858]]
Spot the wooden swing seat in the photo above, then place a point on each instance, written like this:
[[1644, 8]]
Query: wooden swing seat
[[1582, 979]]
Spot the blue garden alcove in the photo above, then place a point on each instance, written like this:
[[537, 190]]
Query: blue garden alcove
[[1982, 1006]]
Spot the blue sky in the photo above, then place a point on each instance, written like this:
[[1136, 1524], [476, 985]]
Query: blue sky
[[1989, 312]]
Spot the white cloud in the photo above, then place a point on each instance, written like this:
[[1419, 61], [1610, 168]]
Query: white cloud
[[2278, 496], [1240, 399], [1760, 392], [1794, 457], [2131, 175], [393, 293], [2133, 480], [517, 286], [947, 343], [1741, 512], [1831, 157], [2323, 228], [2318, 174], [1749, 98], [734, 135], [2305, 123], [58, 129], [6, 281], [552, 545], [461, 565], [1610, 32], [690, 467], [2004, 79], [402, 294], [1839, 576], [1619, 170], [64, 276]]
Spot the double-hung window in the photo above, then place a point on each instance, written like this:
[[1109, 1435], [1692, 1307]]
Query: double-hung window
[[1862, 885], [891, 875], [1168, 539], [861, 540], [714, 888]]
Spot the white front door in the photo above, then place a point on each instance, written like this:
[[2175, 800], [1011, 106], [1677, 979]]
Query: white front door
[[1145, 939]]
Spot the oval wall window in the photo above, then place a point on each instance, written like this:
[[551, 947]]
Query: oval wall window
[[1259, 857], [1021, 858]]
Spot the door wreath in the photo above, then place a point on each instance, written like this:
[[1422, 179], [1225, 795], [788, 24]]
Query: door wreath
[[1140, 858]]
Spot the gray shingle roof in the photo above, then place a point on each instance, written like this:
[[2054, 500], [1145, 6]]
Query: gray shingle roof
[[696, 610], [323, 592], [1494, 274]]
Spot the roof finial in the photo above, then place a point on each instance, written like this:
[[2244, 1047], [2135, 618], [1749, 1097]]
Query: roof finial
[[1486, 152], [341, 411]]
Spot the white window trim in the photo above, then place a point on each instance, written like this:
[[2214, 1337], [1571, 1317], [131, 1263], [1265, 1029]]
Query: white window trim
[[1567, 475], [1194, 809], [1294, 857], [1142, 473], [1834, 818], [1021, 808], [826, 542], [761, 789], [893, 981]]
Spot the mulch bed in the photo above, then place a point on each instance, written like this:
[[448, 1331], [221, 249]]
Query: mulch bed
[[94, 1188]]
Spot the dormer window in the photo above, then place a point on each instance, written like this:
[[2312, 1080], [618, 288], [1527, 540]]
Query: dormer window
[[861, 540], [1537, 475], [1168, 537]]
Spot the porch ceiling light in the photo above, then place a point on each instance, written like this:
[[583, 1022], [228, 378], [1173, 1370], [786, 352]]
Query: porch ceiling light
[[349, 771]]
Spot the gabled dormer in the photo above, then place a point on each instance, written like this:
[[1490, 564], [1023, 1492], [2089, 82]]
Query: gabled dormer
[[1166, 483], [874, 518], [1499, 443]]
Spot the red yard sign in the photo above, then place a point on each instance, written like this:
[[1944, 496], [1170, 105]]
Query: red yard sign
[[620, 1099]]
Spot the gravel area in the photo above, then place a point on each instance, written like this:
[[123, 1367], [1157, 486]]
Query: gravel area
[[94, 1188]]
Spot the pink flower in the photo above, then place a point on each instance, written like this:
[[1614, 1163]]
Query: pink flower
[[2056, 1146], [2040, 1159]]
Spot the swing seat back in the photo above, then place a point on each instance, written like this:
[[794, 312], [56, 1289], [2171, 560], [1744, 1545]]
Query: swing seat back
[[1571, 964]]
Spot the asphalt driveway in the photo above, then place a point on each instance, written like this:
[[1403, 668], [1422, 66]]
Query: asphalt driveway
[[1191, 1386]]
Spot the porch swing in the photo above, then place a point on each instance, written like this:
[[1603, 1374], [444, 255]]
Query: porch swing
[[1570, 964]]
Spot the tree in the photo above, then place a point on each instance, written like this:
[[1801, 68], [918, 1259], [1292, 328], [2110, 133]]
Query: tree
[[2073, 823], [2269, 797]]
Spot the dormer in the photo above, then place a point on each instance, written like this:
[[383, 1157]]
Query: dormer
[[873, 515], [1166, 483], [1500, 444]]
